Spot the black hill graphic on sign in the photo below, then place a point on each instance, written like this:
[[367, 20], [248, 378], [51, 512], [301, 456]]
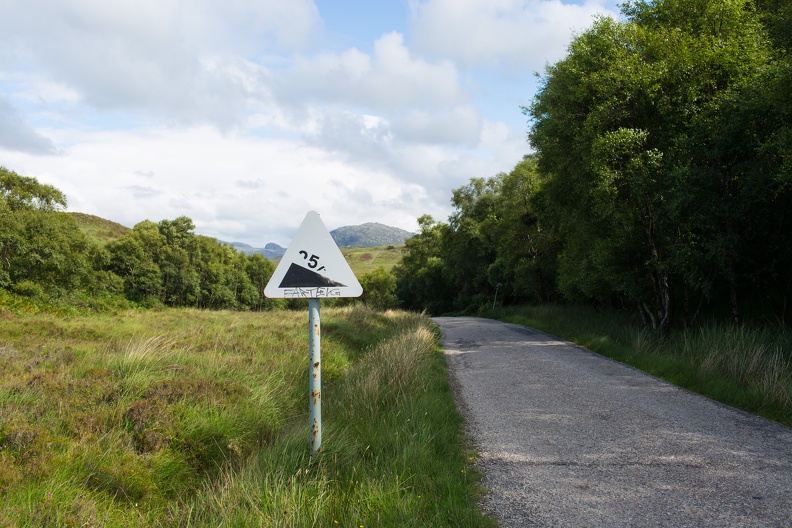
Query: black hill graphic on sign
[[299, 277]]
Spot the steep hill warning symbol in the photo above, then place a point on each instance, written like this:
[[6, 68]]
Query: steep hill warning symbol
[[313, 266], [299, 277]]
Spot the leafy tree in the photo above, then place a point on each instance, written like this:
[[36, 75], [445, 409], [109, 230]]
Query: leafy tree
[[420, 275], [526, 250], [38, 243], [245, 292], [494, 239], [750, 160], [469, 244], [176, 259], [260, 270], [379, 289], [134, 258], [616, 125], [24, 193], [43, 251]]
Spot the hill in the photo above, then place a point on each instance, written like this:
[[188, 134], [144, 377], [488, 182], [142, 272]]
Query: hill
[[98, 229], [271, 250], [366, 247], [370, 234], [364, 260]]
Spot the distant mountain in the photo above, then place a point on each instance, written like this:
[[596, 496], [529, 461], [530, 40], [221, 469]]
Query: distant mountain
[[271, 250], [369, 235]]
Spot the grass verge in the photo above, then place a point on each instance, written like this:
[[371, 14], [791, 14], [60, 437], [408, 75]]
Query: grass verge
[[191, 418], [750, 369]]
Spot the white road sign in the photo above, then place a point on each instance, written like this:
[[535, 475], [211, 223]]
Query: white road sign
[[313, 266]]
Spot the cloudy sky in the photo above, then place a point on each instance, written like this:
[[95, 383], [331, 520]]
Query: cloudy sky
[[246, 114]]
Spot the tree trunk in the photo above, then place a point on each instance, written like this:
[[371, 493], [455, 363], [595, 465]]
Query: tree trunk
[[686, 308], [646, 316], [733, 300], [664, 291]]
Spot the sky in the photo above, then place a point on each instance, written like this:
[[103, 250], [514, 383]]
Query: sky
[[246, 114]]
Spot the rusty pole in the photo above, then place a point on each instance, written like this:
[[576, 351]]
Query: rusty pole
[[315, 375]]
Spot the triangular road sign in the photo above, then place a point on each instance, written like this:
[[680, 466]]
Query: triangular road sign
[[313, 266]]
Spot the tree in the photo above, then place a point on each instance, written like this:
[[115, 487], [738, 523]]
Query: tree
[[134, 258], [617, 128], [21, 192], [260, 269], [526, 251], [420, 275], [379, 289], [38, 243], [176, 259]]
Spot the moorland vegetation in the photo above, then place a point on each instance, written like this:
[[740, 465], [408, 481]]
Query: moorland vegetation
[[651, 223], [185, 417]]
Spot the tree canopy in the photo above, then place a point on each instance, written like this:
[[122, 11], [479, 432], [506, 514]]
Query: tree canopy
[[44, 253], [659, 182]]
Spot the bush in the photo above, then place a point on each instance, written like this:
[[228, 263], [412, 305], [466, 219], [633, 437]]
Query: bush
[[28, 288]]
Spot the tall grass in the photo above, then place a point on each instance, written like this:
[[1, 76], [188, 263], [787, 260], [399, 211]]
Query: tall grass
[[392, 452], [191, 418], [749, 368], [758, 359]]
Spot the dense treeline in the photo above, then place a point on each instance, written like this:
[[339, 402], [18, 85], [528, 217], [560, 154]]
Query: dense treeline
[[44, 254], [661, 179]]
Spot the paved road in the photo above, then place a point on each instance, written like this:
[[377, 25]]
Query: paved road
[[568, 438]]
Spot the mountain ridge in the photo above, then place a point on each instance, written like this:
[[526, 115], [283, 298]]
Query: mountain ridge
[[369, 234]]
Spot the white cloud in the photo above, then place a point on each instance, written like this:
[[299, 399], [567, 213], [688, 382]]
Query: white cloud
[[220, 111], [461, 125], [185, 60], [34, 88], [233, 187], [389, 79], [521, 33]]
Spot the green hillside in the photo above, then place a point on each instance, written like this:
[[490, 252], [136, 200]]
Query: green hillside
[[99, 229], [365, 259], [361, 259]]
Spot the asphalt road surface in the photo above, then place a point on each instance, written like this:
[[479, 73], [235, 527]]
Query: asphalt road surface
[[569, 438]]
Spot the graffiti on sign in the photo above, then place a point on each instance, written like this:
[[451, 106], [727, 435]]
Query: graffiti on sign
[[310, 293]]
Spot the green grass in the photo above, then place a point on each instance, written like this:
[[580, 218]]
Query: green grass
[[193, 418], [98, 229], [364, 260], [750, 369]]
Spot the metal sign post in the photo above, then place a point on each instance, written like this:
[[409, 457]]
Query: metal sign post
[[315, 377], [313, 267]]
